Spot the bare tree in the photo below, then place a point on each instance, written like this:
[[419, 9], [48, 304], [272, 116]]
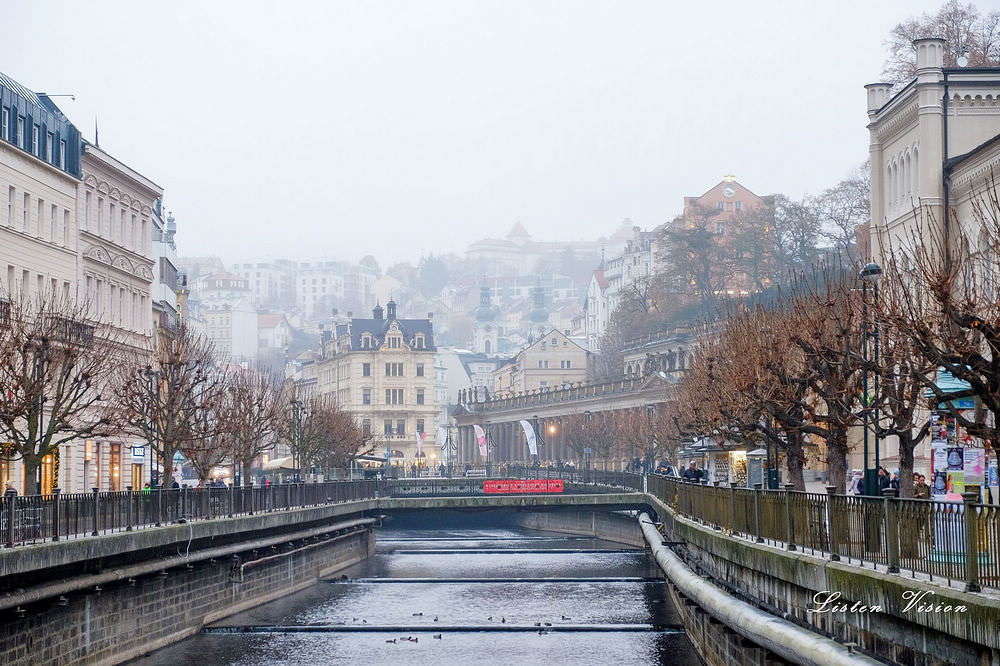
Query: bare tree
[[948, 306], [164, 401], [597, 431], [967, 32], [256, 407], [56, 372], [844, 209], [330, 437]]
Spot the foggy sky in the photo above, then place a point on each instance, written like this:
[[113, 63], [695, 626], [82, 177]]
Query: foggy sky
[[314, 130]]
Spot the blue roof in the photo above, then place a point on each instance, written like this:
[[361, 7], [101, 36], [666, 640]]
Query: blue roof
[[948, 383]]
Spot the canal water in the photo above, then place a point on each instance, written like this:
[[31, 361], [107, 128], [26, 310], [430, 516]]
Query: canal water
[[461, 595]]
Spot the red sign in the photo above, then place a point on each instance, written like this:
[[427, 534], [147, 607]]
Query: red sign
[[499, 486]]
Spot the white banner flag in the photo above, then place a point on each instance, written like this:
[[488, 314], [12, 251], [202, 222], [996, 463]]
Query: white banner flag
[[481, 438], [442, 437], [529, 434], [420, 445]]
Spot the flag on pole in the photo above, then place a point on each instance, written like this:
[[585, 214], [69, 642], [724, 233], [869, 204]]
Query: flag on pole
[[420, 445], [481, 438], [442, 437], [529, 434]]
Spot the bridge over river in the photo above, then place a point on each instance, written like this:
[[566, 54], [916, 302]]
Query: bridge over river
[[106, 577]]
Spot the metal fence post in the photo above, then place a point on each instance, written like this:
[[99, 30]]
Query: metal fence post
[[9, 536], [970, 499], [159, 505], [831, 525], [891, 529], [756, 511], [56, 493], [789, 542], [128, 509], [732, 506], [94, 506], [250, 489]]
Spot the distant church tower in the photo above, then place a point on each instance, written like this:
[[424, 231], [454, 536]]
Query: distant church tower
[[485, 330]]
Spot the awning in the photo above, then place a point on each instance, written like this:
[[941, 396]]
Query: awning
[[279, 463]]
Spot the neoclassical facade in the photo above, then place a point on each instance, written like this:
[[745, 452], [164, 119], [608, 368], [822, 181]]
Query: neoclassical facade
[[382, 371]]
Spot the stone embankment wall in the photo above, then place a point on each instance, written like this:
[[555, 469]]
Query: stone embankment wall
[[786, 583], [150, 604]]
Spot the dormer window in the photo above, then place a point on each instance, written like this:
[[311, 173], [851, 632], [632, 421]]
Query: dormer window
[[394, 341], [366, 341], [419, 341]]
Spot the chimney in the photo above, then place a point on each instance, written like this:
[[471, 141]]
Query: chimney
[[377, 312], [430, 315]]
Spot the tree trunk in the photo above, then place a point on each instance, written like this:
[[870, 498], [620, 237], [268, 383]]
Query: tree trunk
[[795, 459], [836, 458], [31, 465], [906, 445]]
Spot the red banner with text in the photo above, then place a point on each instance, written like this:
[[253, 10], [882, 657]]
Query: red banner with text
[[501, 486]]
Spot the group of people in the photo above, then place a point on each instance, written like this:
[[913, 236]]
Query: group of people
[[920, 488]]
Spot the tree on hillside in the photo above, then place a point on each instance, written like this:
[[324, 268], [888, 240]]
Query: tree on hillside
[[433, 276], [967, 32]]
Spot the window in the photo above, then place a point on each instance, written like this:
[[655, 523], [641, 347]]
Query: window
[[49, 140], [65, 227], [5, 124], [564, 365], [394, 396], [62, 154], [539, 365], [419, 341], [10, 205], [720, 228], [366, 369], [546, 364], [52, 224], [40, 218], [34, 139], [24, 212], [394, 341], [400, 427], [393, 369], [420, 396], [366, 396], [20, 131], [555, 342], [722, 205], [420, 369], [86, 210], [366, 427], [100, 215], [739, 205], [543, 386], [387, 425], [420, 425]]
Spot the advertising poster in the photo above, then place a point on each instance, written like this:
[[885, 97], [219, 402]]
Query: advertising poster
[[975, 465], [956, 460], [994, 475], [939, 432], [956, 482], [939, 459], [939, 488]]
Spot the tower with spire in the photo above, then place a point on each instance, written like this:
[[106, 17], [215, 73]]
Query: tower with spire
[[485, 329]]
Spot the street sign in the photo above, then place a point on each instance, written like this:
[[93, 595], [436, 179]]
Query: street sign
[[138, 451]]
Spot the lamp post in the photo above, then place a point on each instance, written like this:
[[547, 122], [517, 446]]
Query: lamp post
[[489, 445], [870, 274], [586, 450], [298, 409], [154, 394]]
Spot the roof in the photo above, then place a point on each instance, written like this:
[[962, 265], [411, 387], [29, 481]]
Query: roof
[[602, 281], [378, 328], [269, 320], [518, 230]]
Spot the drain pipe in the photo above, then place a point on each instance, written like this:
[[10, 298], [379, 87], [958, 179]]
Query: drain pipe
[[788, 640]]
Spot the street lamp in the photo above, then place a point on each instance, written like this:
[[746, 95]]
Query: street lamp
[[870, 274], [298, 410], [586, 450], [154, 394]]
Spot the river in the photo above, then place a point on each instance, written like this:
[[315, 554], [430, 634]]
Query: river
[[460, 595]]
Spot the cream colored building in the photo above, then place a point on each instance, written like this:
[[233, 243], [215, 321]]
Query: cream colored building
[[382, 371], [553, 361], [934, 146], [115, 278]]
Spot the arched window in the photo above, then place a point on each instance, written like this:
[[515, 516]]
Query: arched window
[[488, 348]]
